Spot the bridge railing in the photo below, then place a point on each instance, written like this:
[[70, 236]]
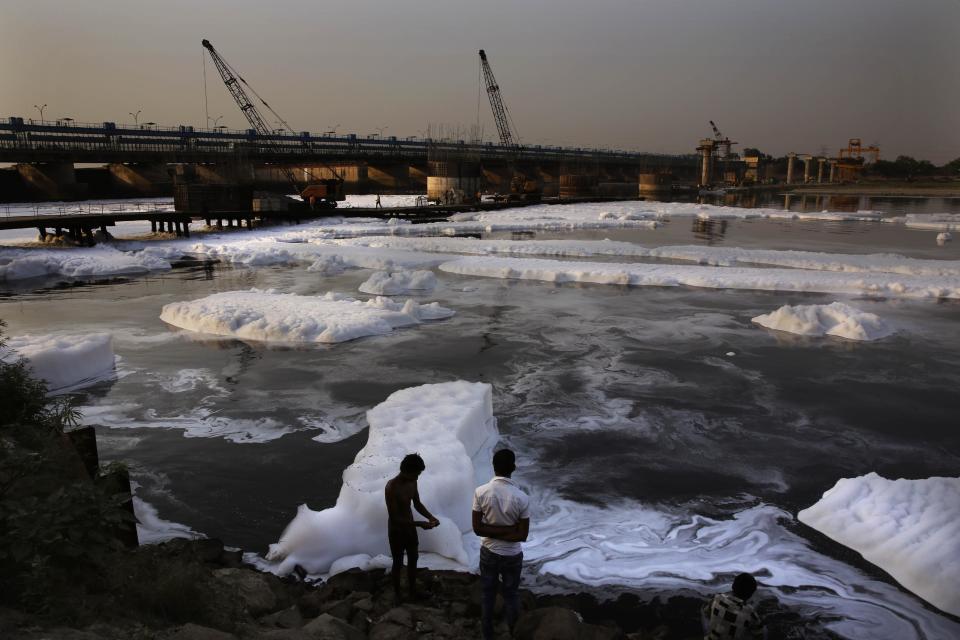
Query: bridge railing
[[19, 134], [81, 208]]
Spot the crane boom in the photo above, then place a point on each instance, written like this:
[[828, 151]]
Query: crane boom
[[507, 134], [235, 85], [716, 132], [233, 81]]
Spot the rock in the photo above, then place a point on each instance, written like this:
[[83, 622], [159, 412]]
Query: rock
[[342, 609], [311, 602], [207, 549], [196, 632], [283, 634], [253, 589], [355, 580], [400, 616], [231, 559], [327, 627], [365, 605], [391, 631], [361, 620], [288, 618], [557, 623]]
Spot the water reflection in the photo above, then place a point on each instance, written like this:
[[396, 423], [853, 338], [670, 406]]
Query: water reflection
[[847, 203], [710, 230]]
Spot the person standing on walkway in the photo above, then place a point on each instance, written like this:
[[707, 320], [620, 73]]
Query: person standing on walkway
[[378, 205], [400, 492], [501, 517]]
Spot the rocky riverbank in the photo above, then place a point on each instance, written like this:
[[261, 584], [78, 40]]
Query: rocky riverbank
[[197, 590]]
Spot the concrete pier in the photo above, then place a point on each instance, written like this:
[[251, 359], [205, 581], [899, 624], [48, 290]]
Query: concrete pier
[[791, 162]]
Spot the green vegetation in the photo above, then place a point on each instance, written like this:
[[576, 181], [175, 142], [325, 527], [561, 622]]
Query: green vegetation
[[57, 526]]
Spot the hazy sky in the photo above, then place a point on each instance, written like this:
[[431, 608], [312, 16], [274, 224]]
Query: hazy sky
[[641, 74]]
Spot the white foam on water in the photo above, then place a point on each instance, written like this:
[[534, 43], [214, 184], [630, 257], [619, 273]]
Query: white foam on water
[[815, 260], [394, 283], [658, 275], [152, 529], [909, 528], [102, 260], [934, 221], [655, 551], [202, 422], [332, 429], [451, 425], [713, 256], [65, 361], [319, 254], [283, 317], [191, 379], [834, 319]]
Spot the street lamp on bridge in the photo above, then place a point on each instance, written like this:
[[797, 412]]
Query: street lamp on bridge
[[40, 108], [136, 116]]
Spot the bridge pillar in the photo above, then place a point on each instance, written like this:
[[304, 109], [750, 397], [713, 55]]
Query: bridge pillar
[[225, 173], [497, 177], [833, 171], [549, 174], [820, 163], [389, 177], [52, 180], [791, 161], [417, 172], [807, 169], [354, 176], [144, 179]]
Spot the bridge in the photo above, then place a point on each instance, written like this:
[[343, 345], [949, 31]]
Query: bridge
[[137, 159]]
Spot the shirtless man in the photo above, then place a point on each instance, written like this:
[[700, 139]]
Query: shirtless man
[[400, 492]]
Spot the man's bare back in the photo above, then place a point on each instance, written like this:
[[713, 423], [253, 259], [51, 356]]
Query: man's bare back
[[402, 496]]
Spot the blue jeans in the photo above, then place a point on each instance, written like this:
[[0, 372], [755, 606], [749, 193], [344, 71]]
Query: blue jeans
[[499, 570]]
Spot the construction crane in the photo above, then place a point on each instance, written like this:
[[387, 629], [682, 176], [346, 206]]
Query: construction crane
[[508, 135], [722, 142], [521, 188], [326, 191]]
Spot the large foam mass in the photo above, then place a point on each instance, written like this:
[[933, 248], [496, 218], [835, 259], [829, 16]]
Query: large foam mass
[[451, 425], [21, 264], [286, 317], [835, 319], [66, 360], [909, 528], [670, 275], [387, 283]]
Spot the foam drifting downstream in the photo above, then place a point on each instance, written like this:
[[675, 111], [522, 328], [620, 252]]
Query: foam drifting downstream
[[386, 283], [452, 426], [835, 319], [657, 275], [283, 317], [656, 550], [21, 264], [65, 361], [909, 528]]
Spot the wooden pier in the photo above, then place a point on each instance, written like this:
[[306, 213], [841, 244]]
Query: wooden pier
[[80, 227]]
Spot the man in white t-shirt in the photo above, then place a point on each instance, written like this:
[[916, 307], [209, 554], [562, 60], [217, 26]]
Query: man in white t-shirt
[[501, 516]]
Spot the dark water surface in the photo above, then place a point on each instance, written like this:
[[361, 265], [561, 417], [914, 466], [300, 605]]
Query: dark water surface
[[609, 394]]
